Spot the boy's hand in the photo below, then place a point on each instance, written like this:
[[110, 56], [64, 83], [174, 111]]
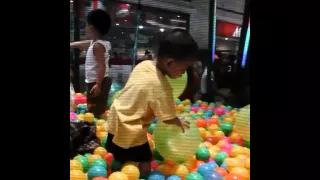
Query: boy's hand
[[95, 90], [184, 124]]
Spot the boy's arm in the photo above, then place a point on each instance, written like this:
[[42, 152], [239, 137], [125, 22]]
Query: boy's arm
[[80, 44]]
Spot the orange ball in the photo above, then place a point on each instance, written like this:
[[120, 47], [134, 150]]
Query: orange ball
[[181, 171], [221, 171], [99, 178], [100, 151], [233, 177], [170, 163], [131, 171], [236, 151], [201, 122], [78, 94], [213, 121], [207, 144], [191, 164], [247, 163], [232, 163], [118, 175], [234, 137], [198, 163], [242, 157], [165, 169], [221, 143], [241, 171], [93, 157], [246, 151]]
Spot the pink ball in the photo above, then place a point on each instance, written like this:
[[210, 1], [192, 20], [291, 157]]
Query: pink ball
[[220, 111], [227, 151], [210, 160], [77, 101], [226, 139], [73, 116], [83, 99], [227, 146], [154, 165], [195, 109]]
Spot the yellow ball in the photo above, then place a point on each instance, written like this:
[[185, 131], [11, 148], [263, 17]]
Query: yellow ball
[[151, 144], [102, 135], [228, 119], [131, 171], [207, 144], [100, 122], [130, 163], [247, 163], [93, 157], [181, 171], [88, 117], [202, 132], [236, 151], [212, 152], [101, 151], [233, 162], [216, 148], [75, 165], [242, 158], [241, 171], [77, 175], [218, 134], [118, 175], [80, 117], [246, 151], [213, 128], [186, 102]]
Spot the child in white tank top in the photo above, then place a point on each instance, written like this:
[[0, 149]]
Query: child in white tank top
[[96, 66]]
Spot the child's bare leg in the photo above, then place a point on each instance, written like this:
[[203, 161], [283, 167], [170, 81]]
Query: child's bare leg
[[145, 169]]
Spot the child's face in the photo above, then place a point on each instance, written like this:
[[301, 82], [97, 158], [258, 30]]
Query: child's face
[[176, 69], [89, 31]]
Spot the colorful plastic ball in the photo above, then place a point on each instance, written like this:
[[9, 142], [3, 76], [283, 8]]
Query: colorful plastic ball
[[204, 168], [165, 169], [247, 163], [88, 117], [174, 177], [226, 128], [219, 157], [194, 176], [247, 144], [93, 157], [155, 120], [232, 163], [87, 155], [97, 171], [77, 175], [181, 171], [156, 175], [84, 162], [117, 176], [104, 141], [75, 165], [202, 153], [100, 162], [131, 171], [73, 116], [223, 165], [223, 172], [100, 151], [212, 176], [108, 158], [151, 128], [212, 165], [233, 177], [236, 151], [116, 165], [99, 178], [219, 111], [241, 171], [154, 165]]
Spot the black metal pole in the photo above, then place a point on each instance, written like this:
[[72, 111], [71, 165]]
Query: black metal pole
[[135, 46], [211, 44], [75, 67]]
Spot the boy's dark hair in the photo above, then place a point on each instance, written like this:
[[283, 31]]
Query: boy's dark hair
[[178, 45], [100, 20]]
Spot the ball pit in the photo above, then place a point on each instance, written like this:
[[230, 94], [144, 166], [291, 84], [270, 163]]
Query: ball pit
[[220, 146]]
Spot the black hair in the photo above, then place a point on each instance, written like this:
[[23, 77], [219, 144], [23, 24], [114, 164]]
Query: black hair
[[178, 45], [100, 20]]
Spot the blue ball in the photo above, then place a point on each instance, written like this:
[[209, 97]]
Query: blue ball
[[155, 120], [196, 105], [82, 111], [96, 171], [224, 165], [212, 176], [212, 165], [173, 177], [156, 175], [204, 169]]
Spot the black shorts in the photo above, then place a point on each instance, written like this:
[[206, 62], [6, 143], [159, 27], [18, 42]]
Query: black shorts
[[98, 104], [140, 153]]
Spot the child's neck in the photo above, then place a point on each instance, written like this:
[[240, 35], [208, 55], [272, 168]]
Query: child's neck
[[159, 66]]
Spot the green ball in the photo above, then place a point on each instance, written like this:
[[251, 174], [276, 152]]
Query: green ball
[[226, 128], [187, 110], [157, 155], [84, 162], [194, 176], [247, 144], [151, 128], [99, 162], [116, 165], [104, 141], [212, 104], [219, 157], [202, 153], [87, 154]]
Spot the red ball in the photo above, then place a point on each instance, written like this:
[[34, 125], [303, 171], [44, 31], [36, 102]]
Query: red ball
[[154, 165], [201, 123], [212, 121], [240, 141], [212, 140], [83, 100], [109, 158]]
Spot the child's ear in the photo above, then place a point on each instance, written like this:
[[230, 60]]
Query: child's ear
[[170, 62]]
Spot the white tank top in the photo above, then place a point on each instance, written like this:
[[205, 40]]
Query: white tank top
[[91, 63]]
